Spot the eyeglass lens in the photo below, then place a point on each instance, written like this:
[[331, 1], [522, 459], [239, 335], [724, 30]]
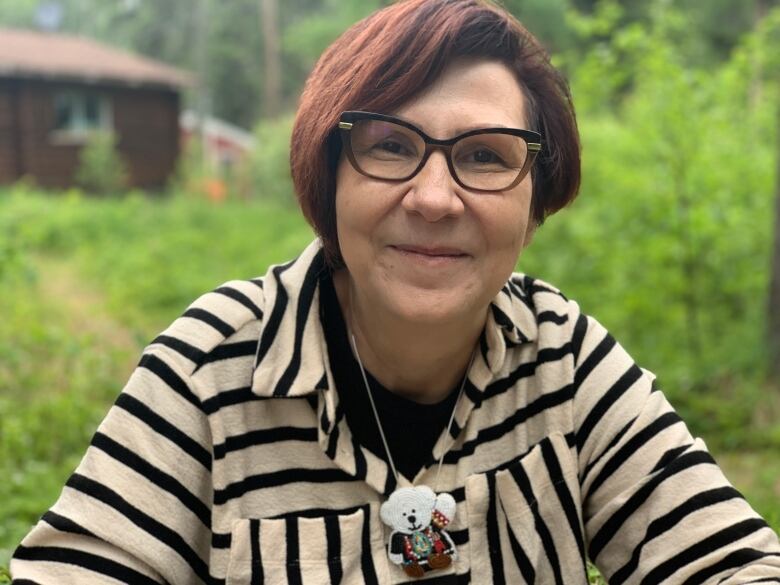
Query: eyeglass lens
[[490, 161]]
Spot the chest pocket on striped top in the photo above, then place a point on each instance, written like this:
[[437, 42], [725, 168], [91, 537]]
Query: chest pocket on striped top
[[525, 521], [338, 548]]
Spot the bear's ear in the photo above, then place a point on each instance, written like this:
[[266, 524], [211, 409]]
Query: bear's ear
[[446, 504], [386, 511]]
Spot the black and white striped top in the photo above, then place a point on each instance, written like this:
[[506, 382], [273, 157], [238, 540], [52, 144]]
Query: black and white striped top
[[227, 459]]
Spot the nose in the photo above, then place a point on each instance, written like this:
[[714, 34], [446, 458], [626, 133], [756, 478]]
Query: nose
[[411, 519], [433, 191]]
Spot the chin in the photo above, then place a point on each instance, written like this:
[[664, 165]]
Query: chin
[[431, 306]]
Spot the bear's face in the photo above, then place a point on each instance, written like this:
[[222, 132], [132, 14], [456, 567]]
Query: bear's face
[[409, 509]]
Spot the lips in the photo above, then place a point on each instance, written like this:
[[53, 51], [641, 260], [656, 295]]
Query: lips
[[434, 252]]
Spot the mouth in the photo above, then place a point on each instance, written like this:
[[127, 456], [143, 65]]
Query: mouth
[[430, 254], [416, 527]]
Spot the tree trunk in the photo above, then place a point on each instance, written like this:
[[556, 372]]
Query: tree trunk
[[272, 86], [200, 59], [756, 88], [774, 287]]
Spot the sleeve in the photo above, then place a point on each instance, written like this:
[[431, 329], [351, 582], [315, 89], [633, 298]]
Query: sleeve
[[656, 506], [137, 508], [397, 543]]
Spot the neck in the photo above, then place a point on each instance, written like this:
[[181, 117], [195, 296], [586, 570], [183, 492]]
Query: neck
[[422, 362]]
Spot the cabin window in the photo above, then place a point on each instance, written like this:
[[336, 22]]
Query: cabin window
[[79, 113]]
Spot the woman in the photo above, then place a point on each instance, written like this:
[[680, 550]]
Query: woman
[[395, 404]]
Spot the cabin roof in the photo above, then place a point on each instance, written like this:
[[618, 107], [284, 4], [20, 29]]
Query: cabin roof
[[26, 53]]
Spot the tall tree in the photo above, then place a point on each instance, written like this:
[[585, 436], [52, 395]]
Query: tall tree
[[272, 87], [774, 287], [771, 46]]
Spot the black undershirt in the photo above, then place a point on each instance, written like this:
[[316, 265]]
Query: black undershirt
[[411, 428]]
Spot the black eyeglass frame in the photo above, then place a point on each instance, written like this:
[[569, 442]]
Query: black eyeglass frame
[[533, 141]]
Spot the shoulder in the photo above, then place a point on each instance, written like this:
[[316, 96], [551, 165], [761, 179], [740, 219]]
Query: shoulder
[[553, 320], [219, 342], [224, 321], [538, 294], [538, 309], [561, 322]]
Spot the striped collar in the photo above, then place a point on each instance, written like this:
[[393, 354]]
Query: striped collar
[[292, 359]]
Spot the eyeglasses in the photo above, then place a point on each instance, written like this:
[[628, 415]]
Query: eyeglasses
[[488, 159]]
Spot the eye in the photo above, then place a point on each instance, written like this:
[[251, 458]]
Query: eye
[[485, 156], [391, 146], [413, 511], [392, 149], [404, 513]]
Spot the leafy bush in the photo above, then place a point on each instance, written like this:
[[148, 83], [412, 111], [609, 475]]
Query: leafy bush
[[151, 257], [669, 240], [265, 174], [101, 169]]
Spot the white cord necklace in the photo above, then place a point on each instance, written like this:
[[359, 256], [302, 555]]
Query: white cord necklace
[[417, 515]]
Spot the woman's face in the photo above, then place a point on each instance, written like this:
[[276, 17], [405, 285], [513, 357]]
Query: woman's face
[[426, 249]]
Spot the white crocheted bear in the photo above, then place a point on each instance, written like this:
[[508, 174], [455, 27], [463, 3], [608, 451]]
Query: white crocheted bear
[[418, 518]]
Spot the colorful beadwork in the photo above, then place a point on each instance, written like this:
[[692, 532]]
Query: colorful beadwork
[[418, 542], [439, 520], [419, 545]]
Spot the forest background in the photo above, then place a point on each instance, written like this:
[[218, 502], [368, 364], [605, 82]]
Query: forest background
[[670, 243]]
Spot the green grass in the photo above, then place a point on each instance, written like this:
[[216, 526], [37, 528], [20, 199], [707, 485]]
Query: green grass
[[757, 475], [151, 257]]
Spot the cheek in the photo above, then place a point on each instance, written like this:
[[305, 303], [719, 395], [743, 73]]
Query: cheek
[[353, 197], [341, 199], [506, 234], [508, 230], [348, 221], [521, 226]]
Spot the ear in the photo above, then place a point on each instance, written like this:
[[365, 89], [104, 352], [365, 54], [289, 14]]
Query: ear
[[445, 504], [386, 512]]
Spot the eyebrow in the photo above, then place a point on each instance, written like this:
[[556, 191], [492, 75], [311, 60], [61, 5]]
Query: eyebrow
[[460, 129], [463, 129]]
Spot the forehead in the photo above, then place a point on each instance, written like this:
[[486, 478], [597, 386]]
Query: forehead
[[468, 94]]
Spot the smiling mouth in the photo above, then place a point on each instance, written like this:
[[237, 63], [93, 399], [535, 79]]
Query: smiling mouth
[[433, 253], [417, 527]]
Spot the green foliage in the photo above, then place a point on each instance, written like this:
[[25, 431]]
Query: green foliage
[[265, 174], [546, 19], [594, 576], [306, 38], [152, 257], [190, 170], [603, 73], [672, 228], [230, 34], [234, 67], [56, 381], [101, 169]]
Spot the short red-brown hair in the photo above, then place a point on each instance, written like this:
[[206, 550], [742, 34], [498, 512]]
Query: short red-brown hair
[[389, 57]]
